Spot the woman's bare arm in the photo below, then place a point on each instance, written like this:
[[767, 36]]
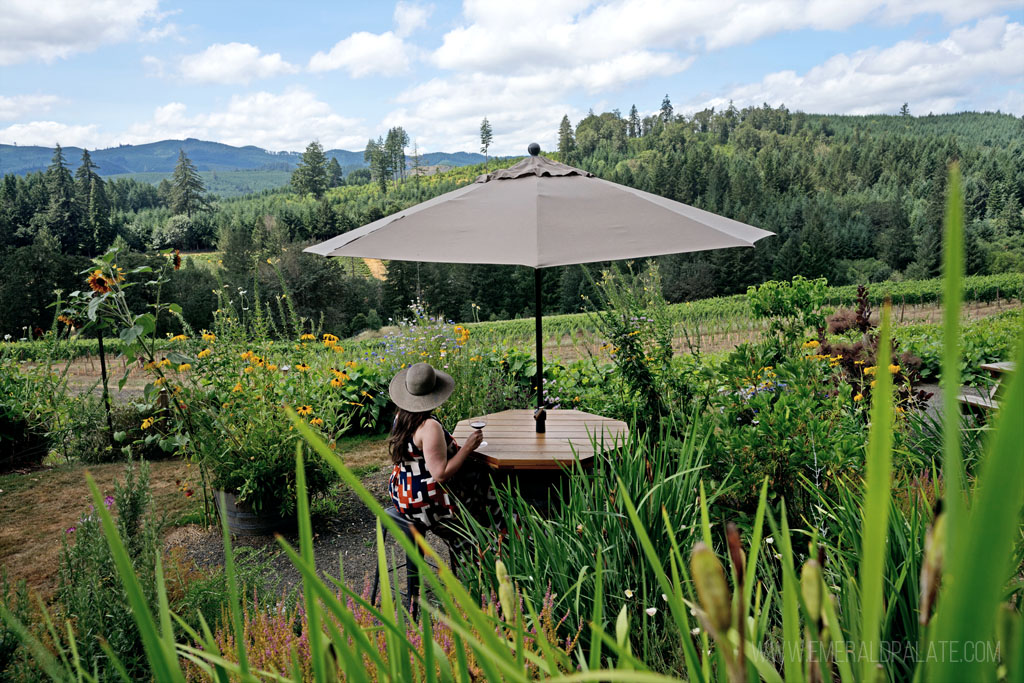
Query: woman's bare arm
[[435, 451]]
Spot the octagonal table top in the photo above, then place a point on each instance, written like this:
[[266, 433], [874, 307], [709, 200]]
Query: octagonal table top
[[514, 444]]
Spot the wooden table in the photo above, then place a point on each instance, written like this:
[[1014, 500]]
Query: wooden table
[[513, 444], [988, 399]]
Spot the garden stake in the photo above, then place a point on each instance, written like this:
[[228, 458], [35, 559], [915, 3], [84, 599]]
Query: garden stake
[[106, 391]]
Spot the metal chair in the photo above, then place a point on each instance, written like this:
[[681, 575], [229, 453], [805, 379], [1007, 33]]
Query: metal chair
[[412, 573]]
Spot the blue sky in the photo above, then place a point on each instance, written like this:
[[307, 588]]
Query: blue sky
[[98, 73]]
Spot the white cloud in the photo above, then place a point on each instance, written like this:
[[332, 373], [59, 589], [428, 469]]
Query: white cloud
[[522, 108], [285, 121], [16, 106], [932, 77], [410, 16], [232, 63], [48, 133], [504, 37], [56, 29], [366, 54]]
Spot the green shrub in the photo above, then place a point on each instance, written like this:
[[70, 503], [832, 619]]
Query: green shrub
[[89, 592]]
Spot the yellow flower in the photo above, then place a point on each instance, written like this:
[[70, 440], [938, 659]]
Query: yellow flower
[[237, 387], [179, 337], [870, 370], [163, 363], [209, 336], [184, 367], [873, 383], [813, 344], [204, 353], [893, 369], [147, 423], [308, 337], [858, 397], [150, 365], [248, 369], [160, 381], [301, 367], [248, 355], [351, 364], [304, 410], [271, 367], [335, 382], [367, 394], [317, 421]]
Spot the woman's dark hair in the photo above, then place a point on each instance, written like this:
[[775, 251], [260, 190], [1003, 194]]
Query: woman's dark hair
[[406, 424]]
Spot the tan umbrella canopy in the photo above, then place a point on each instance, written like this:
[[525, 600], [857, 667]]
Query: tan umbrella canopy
[[541, 213]]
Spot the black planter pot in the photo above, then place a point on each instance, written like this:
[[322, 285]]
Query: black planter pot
[[244, 521]]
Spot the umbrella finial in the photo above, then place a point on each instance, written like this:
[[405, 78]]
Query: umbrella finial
[[533, 149]]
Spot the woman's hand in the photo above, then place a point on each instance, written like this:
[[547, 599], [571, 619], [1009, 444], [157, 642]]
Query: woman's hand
[[473, 440]]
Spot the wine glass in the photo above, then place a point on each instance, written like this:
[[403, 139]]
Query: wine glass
[[479, 423]]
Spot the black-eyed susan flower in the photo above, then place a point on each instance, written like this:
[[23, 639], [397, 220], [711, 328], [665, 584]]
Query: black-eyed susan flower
[[147, 423], [209, 336], [308, 337], [304, 410], [204, 353], [301, 367], [179, 337], [316, 422], [237, 387], [336, 382], [184, 367]]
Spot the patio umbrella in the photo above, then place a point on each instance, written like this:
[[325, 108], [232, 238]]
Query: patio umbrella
[[541, 213]]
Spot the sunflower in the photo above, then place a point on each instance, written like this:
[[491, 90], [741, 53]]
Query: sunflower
[[99, 282], [304, 410]]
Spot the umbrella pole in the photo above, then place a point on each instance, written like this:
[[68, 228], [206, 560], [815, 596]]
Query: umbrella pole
[[538, 279]]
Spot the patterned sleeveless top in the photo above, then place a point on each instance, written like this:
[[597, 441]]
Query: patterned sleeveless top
[[416, 494]]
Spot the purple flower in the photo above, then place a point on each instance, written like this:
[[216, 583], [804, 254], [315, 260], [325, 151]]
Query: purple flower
[[70, 530], [108, 501]]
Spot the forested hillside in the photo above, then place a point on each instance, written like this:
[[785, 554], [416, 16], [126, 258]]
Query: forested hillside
[[853, 199]]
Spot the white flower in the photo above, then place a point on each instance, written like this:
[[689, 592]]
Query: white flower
[[694, 631], [664, 597], [769, 540], [629, 593], [651, 611]]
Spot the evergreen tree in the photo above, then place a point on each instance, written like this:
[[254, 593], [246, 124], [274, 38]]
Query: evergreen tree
[[187, 189], [633, 124], [566, 141], [94, 206], [486, 137], [335, 177], [62, 215], [394, 148], [310, 176], [666, 110], [905, 110], [376, 156]]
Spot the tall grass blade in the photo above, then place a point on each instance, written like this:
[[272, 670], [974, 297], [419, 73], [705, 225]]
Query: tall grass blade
[[953, 275], [233, 594], [316, 645], [877, 493], [980, 560]]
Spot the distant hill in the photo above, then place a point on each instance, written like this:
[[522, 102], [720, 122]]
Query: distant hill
[[160, 157]]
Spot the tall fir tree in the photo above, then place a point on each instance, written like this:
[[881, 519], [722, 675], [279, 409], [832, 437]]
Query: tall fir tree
[[62, 214], [187, 192], [310, 177], [380, 164], [566, 140], [335, 176], [666, 112], [486, 137], [633, 123], [394, 148], [94, 206]]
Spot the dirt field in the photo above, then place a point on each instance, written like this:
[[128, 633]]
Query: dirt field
[[38, 507]]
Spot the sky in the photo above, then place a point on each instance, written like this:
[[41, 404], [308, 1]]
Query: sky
[[99, 73]]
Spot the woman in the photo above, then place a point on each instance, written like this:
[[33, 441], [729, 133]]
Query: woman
[[431, 471]]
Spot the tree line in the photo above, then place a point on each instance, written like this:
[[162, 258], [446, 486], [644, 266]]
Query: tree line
[[854, 199]]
